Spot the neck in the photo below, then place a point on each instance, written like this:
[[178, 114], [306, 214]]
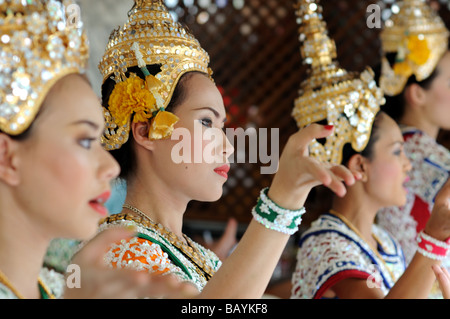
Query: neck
[[359, 212], [22, 249], [420, 122], [158, 202]]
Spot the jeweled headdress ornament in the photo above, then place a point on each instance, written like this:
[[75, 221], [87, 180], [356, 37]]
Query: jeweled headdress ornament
[[419, 38], [38, 47], [150, 36], [347, 100]]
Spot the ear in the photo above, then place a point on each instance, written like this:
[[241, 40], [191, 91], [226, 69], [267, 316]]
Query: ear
[[140, 133], [415, 95], [358, 163], [8, 160]]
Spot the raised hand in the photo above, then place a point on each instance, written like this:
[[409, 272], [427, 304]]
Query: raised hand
[[438, 226], [100, 282], [443, 278], [298, 172]]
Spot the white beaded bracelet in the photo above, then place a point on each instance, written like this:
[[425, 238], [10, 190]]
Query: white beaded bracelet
[[275, 217]]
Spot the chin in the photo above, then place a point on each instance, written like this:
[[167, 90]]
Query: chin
[[87, 233], [86, 228], [212, 195], [401, 201]]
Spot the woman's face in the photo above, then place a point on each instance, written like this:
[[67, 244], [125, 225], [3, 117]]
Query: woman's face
[[64, 171], [194, 162], [387, 170], [438, 95]]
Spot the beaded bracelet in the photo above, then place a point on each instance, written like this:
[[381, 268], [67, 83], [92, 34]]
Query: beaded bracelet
[[431, 247], [276, 217]]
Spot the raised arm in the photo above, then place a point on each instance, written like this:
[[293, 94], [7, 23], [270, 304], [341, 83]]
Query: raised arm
[[247, 271]]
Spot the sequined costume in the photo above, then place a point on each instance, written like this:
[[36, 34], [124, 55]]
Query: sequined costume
[[423, 31], [157, 251], [151, 37], [53, 281], [430, 170], [330, 252]]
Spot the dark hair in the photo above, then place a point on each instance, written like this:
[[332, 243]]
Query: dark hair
[[395, 105], [367, 152], [22, 136], [125, 155]]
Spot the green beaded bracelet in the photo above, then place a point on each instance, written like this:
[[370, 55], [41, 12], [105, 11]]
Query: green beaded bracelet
[[275, 217]]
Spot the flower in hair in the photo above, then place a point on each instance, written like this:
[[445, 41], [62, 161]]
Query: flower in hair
[[162, 125], [131, 97], [415, 51], [141, 98], [418, 50], [403, 68]]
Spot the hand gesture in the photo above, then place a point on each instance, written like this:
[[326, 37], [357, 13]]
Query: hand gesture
[[438, 226], [298, 172], [443, 278], [100, 282]]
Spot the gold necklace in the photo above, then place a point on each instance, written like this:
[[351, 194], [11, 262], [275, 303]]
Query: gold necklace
[[7, 283], [356, 231], [189, 249]]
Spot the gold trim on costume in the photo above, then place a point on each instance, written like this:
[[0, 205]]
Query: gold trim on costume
[[158, 39], [38, 47], [419, 38]]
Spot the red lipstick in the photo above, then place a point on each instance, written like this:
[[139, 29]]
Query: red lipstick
[[223, 170], [98, 203]]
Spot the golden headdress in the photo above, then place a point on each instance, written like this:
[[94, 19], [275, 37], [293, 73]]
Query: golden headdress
[[419, 37], [349, 101], [39, 46], [150, 36]]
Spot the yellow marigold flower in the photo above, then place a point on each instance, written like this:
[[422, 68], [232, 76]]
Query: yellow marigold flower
[[402, 68], [131, 96], [418, 50], [162, 125]]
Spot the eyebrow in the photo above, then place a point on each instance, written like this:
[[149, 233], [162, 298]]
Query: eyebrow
[[212, 110], [397, 142], [87, 122]]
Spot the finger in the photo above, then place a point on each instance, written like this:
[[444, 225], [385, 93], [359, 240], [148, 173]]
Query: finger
[[99, 283], [337, 186], [118, 283], [168, 286], [313, 131], [447, 274], [101, 243], [443, 279], [320, 173], [187, 290], [344, 174]]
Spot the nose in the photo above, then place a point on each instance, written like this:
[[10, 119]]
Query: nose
[[228, 148], [108, 168], [407, 163]]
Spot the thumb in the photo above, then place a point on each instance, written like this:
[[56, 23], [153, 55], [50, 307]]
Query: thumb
[[314, 131]]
